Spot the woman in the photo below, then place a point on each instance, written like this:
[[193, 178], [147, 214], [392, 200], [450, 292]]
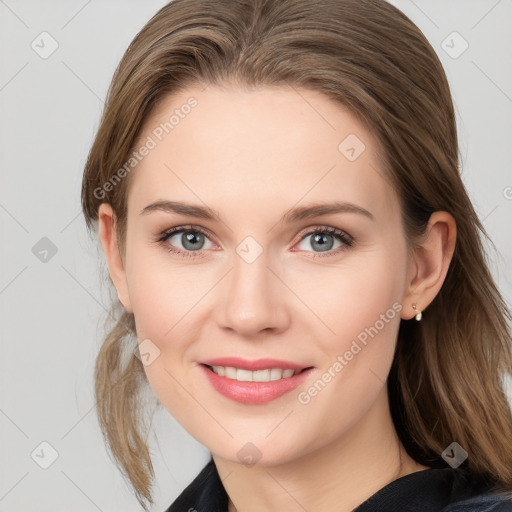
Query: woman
[[276, 189]]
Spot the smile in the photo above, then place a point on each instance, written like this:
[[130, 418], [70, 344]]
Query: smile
[[251, 387], [241, 375]]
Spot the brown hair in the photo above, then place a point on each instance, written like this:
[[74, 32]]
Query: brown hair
[[445, 382]]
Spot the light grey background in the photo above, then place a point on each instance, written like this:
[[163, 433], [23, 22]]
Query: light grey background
[[52, 312]]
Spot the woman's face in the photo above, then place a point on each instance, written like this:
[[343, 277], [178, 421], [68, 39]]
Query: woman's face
[[258, 273]]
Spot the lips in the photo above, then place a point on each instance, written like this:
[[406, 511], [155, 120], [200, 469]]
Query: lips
[[253, 392]]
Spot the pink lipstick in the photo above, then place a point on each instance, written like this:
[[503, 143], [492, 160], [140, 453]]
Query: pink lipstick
[[254, 382]]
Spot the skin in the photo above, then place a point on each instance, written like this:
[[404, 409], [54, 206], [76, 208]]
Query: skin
[[252, 155]]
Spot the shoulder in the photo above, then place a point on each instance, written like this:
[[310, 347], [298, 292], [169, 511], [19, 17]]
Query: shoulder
[[438, 490], [474, 494], [483, 503]]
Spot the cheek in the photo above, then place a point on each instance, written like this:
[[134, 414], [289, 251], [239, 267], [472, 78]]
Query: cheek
[[162, 294], [364, 314], [151, 293], [359, 308], [166, 303], [163, 301], [364, 291]]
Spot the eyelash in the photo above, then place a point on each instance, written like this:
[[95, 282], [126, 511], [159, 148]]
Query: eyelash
[[347, 240]]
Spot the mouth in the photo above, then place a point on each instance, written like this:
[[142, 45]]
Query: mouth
[[263, 375], [259, 382]]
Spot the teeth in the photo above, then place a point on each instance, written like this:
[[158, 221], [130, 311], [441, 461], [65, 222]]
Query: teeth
[[253, 376]]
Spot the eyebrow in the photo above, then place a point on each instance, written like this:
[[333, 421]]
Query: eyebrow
[[292, 215]]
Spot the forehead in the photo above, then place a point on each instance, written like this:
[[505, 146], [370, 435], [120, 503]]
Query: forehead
[[265, 146]]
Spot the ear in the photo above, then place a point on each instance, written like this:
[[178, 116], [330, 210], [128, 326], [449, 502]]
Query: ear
[[430, 262], [108, 238]]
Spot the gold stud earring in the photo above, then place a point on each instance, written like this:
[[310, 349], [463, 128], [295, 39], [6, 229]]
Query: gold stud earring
[[418, 313]]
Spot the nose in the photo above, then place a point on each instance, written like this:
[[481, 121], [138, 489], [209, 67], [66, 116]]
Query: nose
[[254, 299]]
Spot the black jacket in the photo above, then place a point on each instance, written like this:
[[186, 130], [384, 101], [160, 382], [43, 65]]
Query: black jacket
[[430, 490]]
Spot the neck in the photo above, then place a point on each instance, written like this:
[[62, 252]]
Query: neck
[[338, 476]]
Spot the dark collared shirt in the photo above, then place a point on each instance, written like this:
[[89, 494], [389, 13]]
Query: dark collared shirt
[[429, 490]]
